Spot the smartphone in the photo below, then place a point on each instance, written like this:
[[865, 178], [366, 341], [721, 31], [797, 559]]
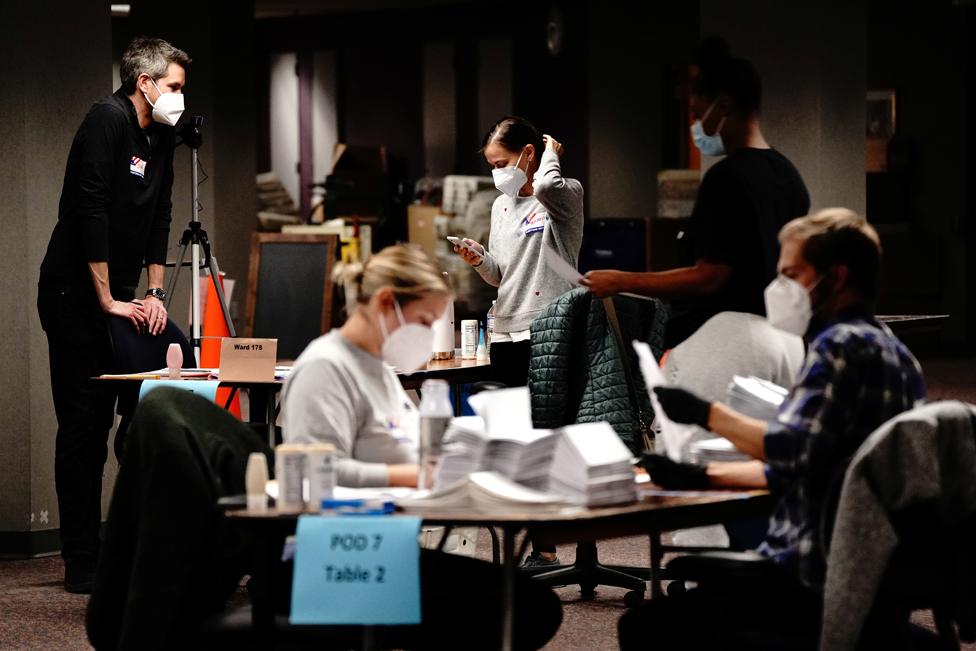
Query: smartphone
[[457, 241]]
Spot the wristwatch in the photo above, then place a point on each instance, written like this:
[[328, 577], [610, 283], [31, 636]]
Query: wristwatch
[[156, 292]]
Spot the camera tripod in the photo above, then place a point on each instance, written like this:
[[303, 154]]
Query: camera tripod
[[196, 239]]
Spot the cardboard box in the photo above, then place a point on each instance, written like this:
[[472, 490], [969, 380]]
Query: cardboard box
[[420, 226]]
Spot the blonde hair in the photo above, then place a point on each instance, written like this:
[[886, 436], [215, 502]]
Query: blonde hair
[[405, 268], [838, 236]]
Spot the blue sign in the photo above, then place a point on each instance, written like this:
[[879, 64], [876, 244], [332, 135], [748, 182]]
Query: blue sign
[[356, 570], [205, 388]]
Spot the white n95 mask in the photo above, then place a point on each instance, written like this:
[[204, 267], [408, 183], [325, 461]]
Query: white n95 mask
[[509, 180], [709, 145], [168, 107], [409, 346], [788, 305]]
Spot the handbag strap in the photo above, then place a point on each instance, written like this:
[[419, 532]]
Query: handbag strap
[[642, 425]]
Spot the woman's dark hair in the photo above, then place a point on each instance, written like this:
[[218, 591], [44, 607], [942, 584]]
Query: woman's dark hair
[[723, 73], [513, 133]]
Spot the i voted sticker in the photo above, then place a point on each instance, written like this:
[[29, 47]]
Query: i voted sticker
[[534, 222], [137, 167]]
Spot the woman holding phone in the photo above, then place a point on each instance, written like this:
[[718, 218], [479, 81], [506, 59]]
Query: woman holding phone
[[538, 207]]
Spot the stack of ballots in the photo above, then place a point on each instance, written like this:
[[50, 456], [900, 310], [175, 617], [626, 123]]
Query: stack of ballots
[[522, 455], [592, 466], [586, 464], [755, 397], [751, 396]]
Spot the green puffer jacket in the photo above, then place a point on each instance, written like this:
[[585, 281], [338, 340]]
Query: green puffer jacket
[[575, 375]]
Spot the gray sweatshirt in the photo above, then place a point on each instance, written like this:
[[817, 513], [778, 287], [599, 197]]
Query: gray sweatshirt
[[513, 261], [340, 394]]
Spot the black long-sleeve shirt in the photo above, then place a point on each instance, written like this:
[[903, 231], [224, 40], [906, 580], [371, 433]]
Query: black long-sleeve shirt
[[115, 202]]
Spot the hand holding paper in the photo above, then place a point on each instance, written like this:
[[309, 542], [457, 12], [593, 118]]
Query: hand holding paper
[[683, 406], [569, 273], [674, 436]]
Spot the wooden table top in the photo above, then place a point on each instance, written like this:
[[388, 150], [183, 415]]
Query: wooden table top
[[665, 511], [457, 370]]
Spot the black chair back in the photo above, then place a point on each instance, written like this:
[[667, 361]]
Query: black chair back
[[139, 352]]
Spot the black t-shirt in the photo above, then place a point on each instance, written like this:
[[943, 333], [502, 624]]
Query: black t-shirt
[[742, 203], [115, 202]]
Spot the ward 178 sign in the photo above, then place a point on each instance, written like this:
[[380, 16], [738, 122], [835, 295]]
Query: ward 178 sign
[[356, 570]]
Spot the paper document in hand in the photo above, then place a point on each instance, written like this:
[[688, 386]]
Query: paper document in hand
[[569, 273], [674, 436]]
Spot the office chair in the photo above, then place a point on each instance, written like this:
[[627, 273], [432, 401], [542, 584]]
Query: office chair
[[899, 534], [576, 376], [137, 353]]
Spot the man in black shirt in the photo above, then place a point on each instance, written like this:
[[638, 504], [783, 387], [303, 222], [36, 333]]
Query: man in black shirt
[[742, 203], [113, 218]]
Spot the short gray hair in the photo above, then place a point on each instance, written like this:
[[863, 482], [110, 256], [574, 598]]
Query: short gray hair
[[151, 56]]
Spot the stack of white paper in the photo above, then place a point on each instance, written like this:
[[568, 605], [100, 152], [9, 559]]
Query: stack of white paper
[[526, 459], [755, 397], [524, 456], [485, 492], [587, 464], [716, 449], [464, 446], [592, 466]]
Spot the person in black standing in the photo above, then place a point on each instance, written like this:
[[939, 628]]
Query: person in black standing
[[743, 201], [113, 219]]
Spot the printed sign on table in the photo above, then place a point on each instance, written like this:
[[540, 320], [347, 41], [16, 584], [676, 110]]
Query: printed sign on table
[[356, 570]]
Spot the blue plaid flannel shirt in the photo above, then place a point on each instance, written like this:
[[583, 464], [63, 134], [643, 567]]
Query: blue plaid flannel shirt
[[856, 376]]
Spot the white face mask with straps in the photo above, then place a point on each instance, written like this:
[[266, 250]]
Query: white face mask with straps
[[788, 304], [168, 107], [409, 346], [509, 180]]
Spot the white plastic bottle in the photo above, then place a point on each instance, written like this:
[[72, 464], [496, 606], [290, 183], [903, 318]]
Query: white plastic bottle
[[255, 478], [435, 414], [444, 332], [490, 326]]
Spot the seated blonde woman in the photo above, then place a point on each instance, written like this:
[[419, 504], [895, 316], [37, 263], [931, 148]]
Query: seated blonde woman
[[342, 391]]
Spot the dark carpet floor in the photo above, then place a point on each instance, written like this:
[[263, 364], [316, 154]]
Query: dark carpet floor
[[36, 613]]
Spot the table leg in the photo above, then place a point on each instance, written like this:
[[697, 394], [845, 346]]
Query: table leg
[[458, 405], [369, 638], [262, 592], [656, 556], [272, 394], [510, 568]]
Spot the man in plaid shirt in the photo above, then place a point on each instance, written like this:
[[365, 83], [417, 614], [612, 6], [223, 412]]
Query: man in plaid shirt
[[856, 376]]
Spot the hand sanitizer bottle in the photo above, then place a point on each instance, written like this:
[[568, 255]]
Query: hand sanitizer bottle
[[174, 361]]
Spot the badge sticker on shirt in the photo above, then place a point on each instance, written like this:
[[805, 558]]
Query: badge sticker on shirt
[[534, 222], [137, 167]]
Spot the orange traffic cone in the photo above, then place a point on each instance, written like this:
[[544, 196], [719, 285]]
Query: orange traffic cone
[[214, 327]]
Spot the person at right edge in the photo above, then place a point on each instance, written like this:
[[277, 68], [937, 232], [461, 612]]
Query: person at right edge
[[743, 201], [856, 376]]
